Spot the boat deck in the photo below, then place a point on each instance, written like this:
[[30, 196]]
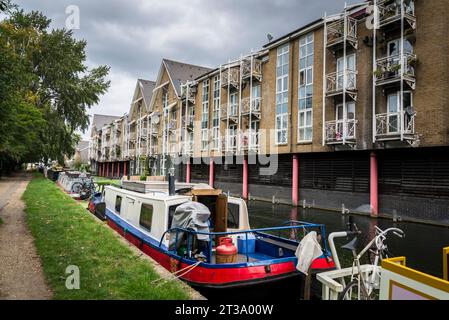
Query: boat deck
[[252, 257]]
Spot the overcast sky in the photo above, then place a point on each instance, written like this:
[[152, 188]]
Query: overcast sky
[[132, 36]]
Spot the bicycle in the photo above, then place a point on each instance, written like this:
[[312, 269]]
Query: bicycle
[[361, 286]]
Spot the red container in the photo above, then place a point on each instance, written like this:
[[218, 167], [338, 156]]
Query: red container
[[226, 251]]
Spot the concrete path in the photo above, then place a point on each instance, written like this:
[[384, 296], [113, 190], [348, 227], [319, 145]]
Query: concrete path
[[21, 275]]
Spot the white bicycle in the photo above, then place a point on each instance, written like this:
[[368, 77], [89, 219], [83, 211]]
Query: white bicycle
[[363, 285]]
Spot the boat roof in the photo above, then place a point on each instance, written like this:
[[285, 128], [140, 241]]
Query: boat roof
[[158, 195]]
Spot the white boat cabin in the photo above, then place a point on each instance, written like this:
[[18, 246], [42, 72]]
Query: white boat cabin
[[151, 210]]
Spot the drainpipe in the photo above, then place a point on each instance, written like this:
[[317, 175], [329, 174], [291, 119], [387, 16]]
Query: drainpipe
[[211, 172], [374, 197], [295, 180], [245, 178], [188, 171]]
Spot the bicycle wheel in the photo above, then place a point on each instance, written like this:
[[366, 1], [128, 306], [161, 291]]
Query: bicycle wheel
[[351, 292], [76, 187]]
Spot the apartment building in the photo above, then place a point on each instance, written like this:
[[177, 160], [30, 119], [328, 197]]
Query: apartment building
[[350, 115]]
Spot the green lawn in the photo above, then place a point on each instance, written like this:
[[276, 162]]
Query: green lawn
[[104, 181], [66, 234]]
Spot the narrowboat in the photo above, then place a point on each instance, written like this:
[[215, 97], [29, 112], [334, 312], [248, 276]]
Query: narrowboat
[[204, 237]]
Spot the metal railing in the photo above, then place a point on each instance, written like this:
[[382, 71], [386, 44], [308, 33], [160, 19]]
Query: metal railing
[[390, 11], [389, 68], [230, 143], [336, 31], [230, 77], [393, 123], [335, 81], [262, 232], [228, 109], [339, 130], [249, 141], [251, 107], [253, 69]]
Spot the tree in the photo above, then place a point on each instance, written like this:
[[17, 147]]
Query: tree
[[46, 88]]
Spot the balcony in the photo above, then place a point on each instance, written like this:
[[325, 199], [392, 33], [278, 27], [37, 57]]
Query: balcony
[[154, 131], [142, 151], [153, 151], [395, 126], [388, 70], [188, 122], [229, 144], [132, 136], [252, 107], [249, 141], [187, 149], [335, 81], [341, 132], [336, 33], [188, 93], [228, 110], [230, 77], [252, 68], [390, 13], [172, 125]]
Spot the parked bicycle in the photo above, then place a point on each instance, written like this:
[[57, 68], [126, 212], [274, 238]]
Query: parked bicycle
[[85, 188], [365, 285]]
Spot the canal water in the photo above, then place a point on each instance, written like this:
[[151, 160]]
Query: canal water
[[422, 245]]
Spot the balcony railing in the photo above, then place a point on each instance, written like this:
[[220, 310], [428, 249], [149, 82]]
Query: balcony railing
[[335, 82], [132, 136], [172, 125], [394, 125], [153, 150], [229, 110], [189, 94], [252, 68], [230, 77], [336, 32], [154, 130], [249, 141], [253, 106], [389, 69], [187, 149], [230, 143], [188, 121], [339, 132], [390, 12]]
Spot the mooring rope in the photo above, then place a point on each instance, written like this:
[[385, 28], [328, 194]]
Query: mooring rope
[[188, 268]]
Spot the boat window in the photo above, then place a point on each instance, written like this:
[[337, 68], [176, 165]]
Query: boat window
[[146, 216], [171, 213], [118, 204], [233, 215]]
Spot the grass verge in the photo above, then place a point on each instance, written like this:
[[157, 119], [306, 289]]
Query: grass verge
[[103, 181], [65, 234]]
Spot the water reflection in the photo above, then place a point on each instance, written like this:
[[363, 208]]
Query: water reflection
[[422, 245]]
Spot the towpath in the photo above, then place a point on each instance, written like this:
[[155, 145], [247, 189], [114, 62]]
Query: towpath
[[21, 275]]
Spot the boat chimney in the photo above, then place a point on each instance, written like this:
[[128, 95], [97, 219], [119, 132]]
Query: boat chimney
[[171, 184]]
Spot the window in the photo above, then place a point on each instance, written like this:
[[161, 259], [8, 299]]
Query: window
[[171, 213], [216, 115], [395, 114], [345, 118], [118, 204], [205, 116], [282, 69], [305, 105], [233, 215], [146, 216], [233, 105]]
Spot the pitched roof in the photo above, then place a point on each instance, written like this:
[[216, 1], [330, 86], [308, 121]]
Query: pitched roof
[[100, 120], [147, 87], [181, 72]]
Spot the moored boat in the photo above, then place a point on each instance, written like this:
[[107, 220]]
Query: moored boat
[[189, 231]]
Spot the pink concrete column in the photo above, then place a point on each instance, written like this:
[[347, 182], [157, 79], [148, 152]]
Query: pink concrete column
[[124, 169], [112, 171], [107, 169], [118, 169], [211, 172], [295, 180], [374, 197], [188, 171], [245, 178]]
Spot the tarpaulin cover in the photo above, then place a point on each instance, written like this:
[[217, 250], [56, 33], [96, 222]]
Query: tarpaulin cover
[[190, 215]]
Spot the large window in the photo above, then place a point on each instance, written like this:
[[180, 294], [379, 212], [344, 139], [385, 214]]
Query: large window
[[282, 69], [305, 105], [216, 115], [146, 216], [205, 116]]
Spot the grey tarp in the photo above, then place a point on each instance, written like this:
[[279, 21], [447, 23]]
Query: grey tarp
[[190, 215]]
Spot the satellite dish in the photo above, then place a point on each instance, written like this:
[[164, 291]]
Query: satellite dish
[[155, 119], [269, 37]]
